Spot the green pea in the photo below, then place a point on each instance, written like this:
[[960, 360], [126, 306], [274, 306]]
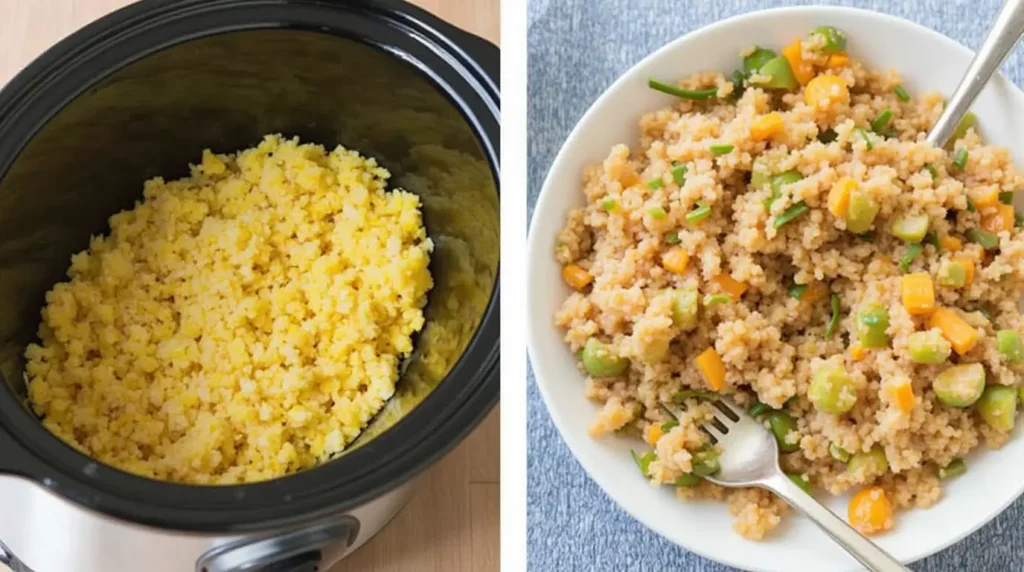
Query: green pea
[[705, 462], [960, 385], [1008, 343], [756, 59], [952, 274], [835, 41], [911, 228], [800, 481], [928, 347], [782, 425], [779, 181], [998, 407], [955, 468], [872, 322], [685, 308], [861, 212], [779, 74], [687, 480], [600, 362], [832, 390], [838, 453], [870, 465]]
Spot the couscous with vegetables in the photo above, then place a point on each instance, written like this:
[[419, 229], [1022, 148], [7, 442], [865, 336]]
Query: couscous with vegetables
[[237, 325], [786, 237]]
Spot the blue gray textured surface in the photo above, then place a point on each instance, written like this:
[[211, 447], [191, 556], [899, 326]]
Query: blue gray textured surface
[[577, 48]]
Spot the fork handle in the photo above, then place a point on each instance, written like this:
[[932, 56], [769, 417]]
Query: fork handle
[[866, 552]]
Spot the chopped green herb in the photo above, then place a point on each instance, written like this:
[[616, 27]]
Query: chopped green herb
[[758, 408], [703, 394], [960, 158], [912, 252], [668, 425], [933, 239], [672, 237], [827, 136], [931, 171], [797, 290], [657, 213], [698, 94], [721, 149], [655, 183], [792, 213], [609, 204], [866, 137], [901, 93], [644, 461], [737, 83], [869, 235], [970, 205], [881, 121], [687, 480], [679, 174], [986, 239], [715, 299], [1006, 197], [834, 322], [698, 214]]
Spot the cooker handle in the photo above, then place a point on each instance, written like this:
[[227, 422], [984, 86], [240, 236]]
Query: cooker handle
[[298, 550]]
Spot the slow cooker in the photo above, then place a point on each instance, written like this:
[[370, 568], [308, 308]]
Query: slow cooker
[[140, 93]]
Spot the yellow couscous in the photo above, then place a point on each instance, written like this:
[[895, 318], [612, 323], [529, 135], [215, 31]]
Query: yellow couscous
[[237, 325]]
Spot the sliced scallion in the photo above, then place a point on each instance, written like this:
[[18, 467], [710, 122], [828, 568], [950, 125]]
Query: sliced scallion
[[879, 123], [697, 94], [912, 252], [901, 93], [792, 213], [698, 214], [833, 323], [721, 149], [960, 158]]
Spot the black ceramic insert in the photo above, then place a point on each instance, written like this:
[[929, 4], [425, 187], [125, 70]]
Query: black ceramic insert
[[141, 93]]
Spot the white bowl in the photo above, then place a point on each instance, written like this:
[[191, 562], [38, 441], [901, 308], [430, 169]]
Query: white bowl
[[928, 61]]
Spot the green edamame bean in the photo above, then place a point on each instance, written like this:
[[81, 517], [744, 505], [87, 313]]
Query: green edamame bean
[[869, 465], [928, 347], [756, 59], [779, 74], [599, 361], [685, 308], [838, 453], [1009, 344], [872, 323], [952, 274], [861, 212], [832, 390], [782, 425], [960, 385], [835, 41], [998, 407], [911, 228]]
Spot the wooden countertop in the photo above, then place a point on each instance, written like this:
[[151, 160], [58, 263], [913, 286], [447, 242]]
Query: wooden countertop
[[452, 524]]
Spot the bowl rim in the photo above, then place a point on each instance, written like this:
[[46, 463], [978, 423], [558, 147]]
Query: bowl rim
[[461, 67], [537, 251]]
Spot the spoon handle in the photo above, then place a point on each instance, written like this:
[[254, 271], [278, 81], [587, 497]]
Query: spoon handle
[[1004, 34], [866, 552]]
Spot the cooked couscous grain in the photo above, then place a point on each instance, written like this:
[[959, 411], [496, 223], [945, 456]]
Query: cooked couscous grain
[[237, 325]]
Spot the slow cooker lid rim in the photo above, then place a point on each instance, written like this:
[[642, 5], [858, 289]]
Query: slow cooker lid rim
[[66, 58]]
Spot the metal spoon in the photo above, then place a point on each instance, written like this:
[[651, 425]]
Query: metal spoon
[[1004, 34]]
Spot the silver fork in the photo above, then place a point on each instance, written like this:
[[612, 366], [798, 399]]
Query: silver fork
[[750, 458]]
